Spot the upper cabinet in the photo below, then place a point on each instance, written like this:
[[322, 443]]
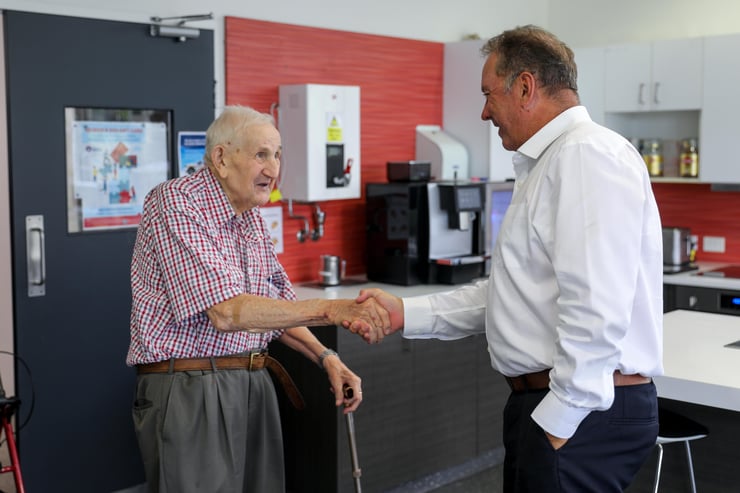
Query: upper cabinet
[[720, 124], [657, 76]]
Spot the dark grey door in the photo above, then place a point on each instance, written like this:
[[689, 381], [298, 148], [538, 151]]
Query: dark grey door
[[77, 398]]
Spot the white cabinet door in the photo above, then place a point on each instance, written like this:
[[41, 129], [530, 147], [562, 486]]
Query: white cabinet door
[[591, 66], [627, 80], [677, 74], [658, 76], [719, 161], [462, 108]]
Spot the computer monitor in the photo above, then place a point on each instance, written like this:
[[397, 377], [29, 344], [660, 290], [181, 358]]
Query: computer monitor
[[498, 198]]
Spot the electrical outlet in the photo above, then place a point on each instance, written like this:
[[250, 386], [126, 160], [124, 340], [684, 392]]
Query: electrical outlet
[[714, 244]]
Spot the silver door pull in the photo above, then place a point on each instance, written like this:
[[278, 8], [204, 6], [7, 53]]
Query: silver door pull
[[35, 255]]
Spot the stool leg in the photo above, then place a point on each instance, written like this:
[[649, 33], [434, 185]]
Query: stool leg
[[13, 451], [657, 470], [691, 466]]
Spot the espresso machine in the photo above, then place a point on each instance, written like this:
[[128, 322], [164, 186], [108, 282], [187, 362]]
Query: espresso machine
[[425, 232]]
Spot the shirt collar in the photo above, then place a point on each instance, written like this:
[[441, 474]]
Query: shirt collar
[[526, 156], [537, 143], [223, 211]]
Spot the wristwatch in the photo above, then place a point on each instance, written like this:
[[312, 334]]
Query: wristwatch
[[322, 356]]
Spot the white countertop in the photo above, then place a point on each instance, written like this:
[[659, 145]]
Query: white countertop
[[698, 368], [351, 288], [691, 278]]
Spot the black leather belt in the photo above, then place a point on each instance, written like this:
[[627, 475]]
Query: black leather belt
[[541, 380]]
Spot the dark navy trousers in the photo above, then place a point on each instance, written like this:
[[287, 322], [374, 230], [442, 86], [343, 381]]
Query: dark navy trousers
[[603, 456]]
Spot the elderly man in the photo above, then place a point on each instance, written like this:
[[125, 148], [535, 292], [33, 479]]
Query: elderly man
[[209, 294]]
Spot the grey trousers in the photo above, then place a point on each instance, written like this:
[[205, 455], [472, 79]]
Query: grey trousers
[[209, 432]]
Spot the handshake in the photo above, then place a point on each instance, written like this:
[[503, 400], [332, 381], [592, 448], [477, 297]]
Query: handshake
[[373, 315]]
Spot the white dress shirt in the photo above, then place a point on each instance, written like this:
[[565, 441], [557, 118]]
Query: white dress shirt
[[576, 273]]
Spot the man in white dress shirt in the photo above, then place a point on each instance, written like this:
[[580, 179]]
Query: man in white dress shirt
[[573, 307]]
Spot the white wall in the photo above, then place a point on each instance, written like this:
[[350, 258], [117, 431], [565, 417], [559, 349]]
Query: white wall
[[601, 22]]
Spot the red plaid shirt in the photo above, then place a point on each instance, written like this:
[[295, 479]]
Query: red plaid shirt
[[193, 252]]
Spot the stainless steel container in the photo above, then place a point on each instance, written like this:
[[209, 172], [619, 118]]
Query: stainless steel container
[[676, 246], [332, 270]]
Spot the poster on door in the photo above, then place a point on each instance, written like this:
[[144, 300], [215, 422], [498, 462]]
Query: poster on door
[[111, 166], [191, 147]]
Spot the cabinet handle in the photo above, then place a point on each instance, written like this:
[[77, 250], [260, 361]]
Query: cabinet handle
[[655, 93], [641, 94], [693, 300]]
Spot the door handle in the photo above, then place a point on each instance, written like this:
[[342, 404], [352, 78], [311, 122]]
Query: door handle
[[35, 255], [641, 94], [656, 99]]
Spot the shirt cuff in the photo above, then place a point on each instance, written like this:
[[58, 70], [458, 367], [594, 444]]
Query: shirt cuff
[[417, 317], [557, 418]]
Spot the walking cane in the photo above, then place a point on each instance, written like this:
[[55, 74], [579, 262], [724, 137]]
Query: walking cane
[[356, 471]]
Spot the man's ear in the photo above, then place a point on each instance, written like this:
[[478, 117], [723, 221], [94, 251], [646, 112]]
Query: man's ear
[[527, 85], [217, 159]]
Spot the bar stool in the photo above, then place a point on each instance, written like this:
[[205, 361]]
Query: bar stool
[[674, 427]]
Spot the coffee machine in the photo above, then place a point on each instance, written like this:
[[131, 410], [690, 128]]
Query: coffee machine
[[425, 232]]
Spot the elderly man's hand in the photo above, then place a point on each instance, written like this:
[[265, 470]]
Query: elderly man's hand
[[393, 304], [368, 319]]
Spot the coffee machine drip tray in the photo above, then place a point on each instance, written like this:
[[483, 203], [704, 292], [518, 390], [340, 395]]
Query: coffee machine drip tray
[[459, 270], [471, 259]]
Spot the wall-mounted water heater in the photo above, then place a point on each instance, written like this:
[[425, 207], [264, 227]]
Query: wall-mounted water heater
[[320, 129]]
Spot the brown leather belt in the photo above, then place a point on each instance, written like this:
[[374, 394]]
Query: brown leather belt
[[253, 362], [541, 380]]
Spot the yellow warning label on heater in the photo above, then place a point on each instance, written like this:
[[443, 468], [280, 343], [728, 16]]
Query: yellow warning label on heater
[[334, 130]]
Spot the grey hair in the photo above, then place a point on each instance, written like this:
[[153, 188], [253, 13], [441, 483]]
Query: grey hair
[[535, 50], [230, 126]]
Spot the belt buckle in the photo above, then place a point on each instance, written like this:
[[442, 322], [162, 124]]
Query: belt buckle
[[252, 356]]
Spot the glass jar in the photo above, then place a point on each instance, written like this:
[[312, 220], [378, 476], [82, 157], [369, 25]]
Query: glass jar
[[688, 160], [652, 153]]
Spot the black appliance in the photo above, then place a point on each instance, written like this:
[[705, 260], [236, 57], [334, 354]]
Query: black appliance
[[425, 233]]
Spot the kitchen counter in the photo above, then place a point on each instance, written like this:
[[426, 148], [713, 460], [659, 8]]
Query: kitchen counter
[[691, 278], [430, 434], [698, 367], [352, 286]]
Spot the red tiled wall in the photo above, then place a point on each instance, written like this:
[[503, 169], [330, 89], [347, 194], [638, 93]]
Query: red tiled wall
[[705, 212], [400, 86]]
